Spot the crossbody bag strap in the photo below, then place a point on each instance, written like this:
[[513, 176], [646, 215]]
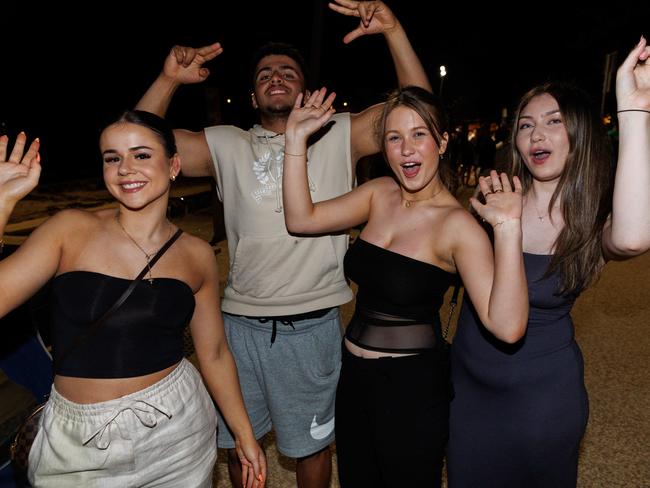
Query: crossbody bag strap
[[453, 301], [94, 327]]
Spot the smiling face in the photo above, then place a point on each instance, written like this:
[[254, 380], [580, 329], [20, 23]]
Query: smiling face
[[137, 169], [278, 81], [542, 139], [412, 151]]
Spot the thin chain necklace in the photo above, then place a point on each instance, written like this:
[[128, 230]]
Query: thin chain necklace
[[540, 216], [148, 256], [409, 203]]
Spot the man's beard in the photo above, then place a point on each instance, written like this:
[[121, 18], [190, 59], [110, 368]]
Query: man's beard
[[277, 111]]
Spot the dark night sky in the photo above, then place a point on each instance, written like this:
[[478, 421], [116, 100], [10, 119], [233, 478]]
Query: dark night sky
[[53, 88]]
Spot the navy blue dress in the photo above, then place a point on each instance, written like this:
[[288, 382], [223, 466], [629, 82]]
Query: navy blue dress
[[520, 410]]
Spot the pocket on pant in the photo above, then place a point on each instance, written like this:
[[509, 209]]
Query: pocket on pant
[[61, 452], [326, 341]]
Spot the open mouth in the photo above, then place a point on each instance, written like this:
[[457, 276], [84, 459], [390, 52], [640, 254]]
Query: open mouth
[[410, 169], [540, 156]]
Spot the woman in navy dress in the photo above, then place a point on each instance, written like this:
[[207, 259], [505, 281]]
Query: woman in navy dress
[[520, 410]]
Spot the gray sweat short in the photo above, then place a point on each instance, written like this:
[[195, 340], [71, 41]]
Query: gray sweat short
[[290, 385]]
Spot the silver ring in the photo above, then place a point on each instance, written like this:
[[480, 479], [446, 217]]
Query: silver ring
[[498, 190]]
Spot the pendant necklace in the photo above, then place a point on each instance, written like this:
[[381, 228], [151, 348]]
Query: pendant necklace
[[147, 255], [539, 216]]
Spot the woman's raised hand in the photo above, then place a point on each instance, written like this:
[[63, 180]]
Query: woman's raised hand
[[502, 202], [633, 79], [306, 118], [19, 173]]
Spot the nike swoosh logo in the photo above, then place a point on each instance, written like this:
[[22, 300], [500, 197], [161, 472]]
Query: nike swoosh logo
[[321, 431]]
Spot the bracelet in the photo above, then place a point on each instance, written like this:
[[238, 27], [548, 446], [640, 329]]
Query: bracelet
[[296, 155], [2, 246], [633, 110], [503, 222]]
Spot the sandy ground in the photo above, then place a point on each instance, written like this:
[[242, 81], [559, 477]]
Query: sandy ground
[[611, 323]]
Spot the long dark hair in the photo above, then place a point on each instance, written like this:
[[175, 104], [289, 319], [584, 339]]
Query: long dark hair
[[429, 107], [155, 124], [585, 186]]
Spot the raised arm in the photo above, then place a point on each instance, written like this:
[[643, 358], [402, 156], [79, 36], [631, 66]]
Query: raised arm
[[301, 215], [627, 234], [376, 18], [36, 261], [495, 283], [183, 65], [219, 370]]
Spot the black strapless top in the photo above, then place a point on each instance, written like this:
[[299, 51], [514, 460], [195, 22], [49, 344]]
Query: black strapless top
[[143, 336], [397, 301]]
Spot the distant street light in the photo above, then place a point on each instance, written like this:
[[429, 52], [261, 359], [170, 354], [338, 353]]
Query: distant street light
[[443, 73]]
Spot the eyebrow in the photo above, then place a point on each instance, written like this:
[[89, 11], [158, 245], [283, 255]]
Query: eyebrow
[[419, 127], [545, 114], [132, 149], [283, 67]]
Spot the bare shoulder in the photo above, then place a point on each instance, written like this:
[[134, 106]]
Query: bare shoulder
[[381, 184], [73, 220], [458, 215], [195, 245], [197, 253], [459, 226]]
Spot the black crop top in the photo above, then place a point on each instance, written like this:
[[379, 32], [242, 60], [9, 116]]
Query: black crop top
[[143, 336], [397, 301]]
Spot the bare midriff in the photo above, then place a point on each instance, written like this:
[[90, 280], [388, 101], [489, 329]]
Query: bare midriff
[[368, 354], [95, 390]]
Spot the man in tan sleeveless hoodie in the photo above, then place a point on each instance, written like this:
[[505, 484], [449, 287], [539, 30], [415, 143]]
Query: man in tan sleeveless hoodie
[[280, 305]]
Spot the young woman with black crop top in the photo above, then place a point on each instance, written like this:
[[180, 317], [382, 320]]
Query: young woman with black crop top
[[126, 408], [393, 394]]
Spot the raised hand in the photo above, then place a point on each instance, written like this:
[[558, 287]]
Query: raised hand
[[633, 79], [307, 118], [185, 64], [19, 173], [502, 202], [374, 17]]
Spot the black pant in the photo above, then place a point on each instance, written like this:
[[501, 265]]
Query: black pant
[[392, 418]]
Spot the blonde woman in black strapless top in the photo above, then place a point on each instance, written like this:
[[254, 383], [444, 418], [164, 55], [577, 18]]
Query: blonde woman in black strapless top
[[393, 396]]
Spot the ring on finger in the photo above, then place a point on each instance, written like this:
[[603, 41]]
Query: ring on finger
[[498, 190]]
